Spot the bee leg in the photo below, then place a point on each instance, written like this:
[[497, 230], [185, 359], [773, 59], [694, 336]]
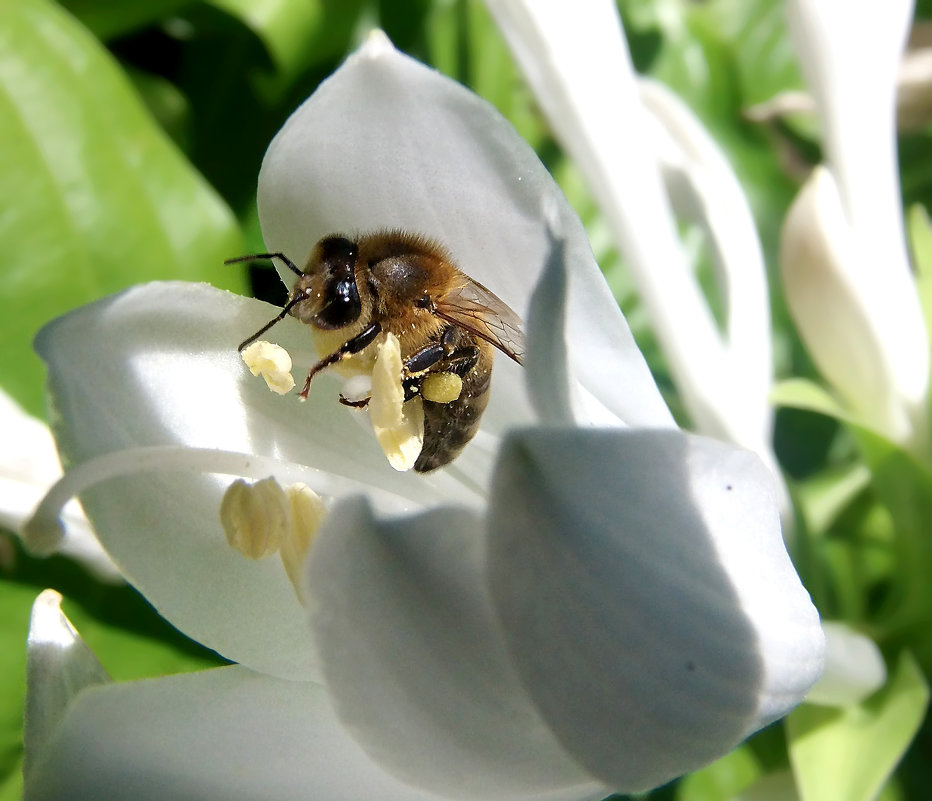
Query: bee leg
[[412, 386], [461, 361], [422, 361], [362, 403], [425, 358], [347, 349]]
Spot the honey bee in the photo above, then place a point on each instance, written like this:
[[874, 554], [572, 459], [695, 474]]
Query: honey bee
[[352, 291]]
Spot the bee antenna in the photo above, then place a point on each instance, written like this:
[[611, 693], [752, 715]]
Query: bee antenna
[[288, 307], [253, 256]]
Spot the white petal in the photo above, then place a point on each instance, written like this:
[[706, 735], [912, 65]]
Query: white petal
[[416, 665], [646, 596], [28, 467], [567, 51], [549, 379], [704, 189], [225, 734], [388, 143], [58, 666], [557, 395], [856, 98], [854, 668], [835, 310], [158, 365]]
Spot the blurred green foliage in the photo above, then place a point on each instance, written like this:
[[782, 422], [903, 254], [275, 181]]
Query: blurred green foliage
[[131, 135]]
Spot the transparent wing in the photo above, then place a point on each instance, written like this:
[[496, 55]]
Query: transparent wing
[[477, 309]]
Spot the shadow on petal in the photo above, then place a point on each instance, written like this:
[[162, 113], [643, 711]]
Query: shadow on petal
[[415, 662], [646, 596], [225, 734]]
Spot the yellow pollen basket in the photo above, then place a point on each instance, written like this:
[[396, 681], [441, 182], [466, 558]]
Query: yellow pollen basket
[[442, 387]]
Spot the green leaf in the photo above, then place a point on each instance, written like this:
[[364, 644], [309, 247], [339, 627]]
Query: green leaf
[[109, 19], [902, 611], [723, 780], [125, 632], [824, 496], [464, 42], [849, 753], [296, 33], [763, 51], [96, 196], [128, 655], [15, 603], [800, 393], [904, 485], [165, 102]]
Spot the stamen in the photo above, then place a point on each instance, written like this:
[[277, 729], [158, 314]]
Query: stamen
[[398, 426], [307, 513], [255, 516], [262, 518], [272, 362], [43, 533]]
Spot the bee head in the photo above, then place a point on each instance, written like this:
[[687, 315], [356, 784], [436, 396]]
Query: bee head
[[326, 294]]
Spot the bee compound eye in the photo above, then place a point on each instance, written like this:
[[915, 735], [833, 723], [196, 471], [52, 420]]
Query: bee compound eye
[[338, 251], [341, 305]]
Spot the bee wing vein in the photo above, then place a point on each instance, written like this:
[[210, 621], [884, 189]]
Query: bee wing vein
[[480, 311]]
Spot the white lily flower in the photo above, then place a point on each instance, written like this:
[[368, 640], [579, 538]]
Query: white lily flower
[[29, 466], [588, 599], [629, 138], [847, 274]]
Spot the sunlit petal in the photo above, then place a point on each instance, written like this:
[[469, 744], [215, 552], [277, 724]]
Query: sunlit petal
[[613, 145], [834, 310], [58, 667], [856, 98], [167, 352], [388, 143], [705, 190]]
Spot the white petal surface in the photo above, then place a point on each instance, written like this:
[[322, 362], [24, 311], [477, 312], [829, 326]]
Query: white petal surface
[[646, 596], [416, 665], [58, 666], [567, 52], [557, 396], [225, 734], [158, 365], [547, 362], [835, 312], [704, 189], [28, 467], [388, 143], [856, 99]]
